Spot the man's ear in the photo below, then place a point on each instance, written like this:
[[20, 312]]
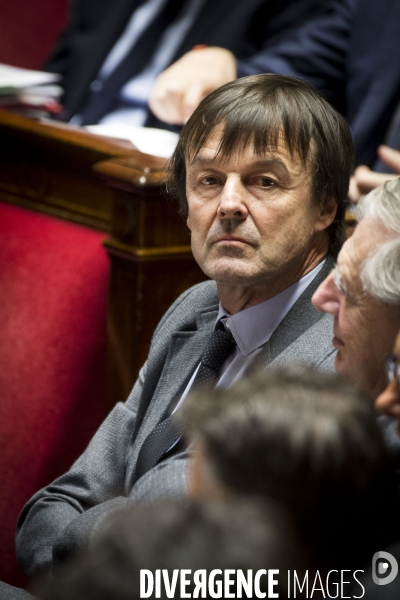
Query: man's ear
[[326, 215]]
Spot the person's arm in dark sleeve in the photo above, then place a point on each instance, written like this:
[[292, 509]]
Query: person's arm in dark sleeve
[[316, 52], [180, 88]]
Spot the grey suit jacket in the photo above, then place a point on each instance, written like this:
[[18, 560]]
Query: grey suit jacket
[[61, 517], [7, 592]]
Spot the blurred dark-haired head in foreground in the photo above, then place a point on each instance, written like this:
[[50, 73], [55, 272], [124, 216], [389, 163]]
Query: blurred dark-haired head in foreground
[[312, 443], [175, 535]]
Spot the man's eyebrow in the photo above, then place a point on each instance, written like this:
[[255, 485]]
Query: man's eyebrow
[[201, 160], [266, 162]]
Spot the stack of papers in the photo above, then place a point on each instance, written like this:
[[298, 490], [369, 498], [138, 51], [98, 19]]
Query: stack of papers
[[36, 94], [29, 93]]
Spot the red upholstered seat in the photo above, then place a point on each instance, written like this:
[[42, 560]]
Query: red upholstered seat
[[53, 290]]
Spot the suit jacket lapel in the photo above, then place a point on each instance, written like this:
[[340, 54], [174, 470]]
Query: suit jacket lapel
[[184, 351], [298, 320]]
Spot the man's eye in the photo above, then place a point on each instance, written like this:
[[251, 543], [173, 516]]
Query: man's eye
[[350, 296], [266, 182], [210, 180]]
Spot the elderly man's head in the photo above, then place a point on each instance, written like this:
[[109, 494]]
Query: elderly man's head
[[262, 171], [363, 292]]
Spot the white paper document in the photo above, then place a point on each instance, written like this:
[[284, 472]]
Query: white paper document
[[13, 79], [149, 140]]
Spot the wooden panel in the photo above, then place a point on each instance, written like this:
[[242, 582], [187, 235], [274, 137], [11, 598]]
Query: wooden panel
[[151, 263], [48, 167]]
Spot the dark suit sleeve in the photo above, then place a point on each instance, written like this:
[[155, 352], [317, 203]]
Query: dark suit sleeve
[[317, 51]]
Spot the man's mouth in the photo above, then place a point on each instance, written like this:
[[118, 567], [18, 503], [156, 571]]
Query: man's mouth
[[337, 342], [231, 239]]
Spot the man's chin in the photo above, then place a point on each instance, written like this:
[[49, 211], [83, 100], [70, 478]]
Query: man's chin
[[229, 271], [356, 374]]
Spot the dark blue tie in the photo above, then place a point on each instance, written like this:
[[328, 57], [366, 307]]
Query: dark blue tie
[[168, 432], [104, 97]]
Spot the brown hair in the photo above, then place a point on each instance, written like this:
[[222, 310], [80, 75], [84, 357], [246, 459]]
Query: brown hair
[[257, 110]]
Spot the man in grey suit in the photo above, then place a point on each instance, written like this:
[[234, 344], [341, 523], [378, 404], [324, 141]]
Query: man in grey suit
[[261, 171]]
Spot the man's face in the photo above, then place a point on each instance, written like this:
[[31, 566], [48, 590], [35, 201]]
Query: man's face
[[252, 217], [364, 329], [388, 402]]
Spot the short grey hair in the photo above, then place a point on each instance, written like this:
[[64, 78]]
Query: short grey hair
[[380, 273]]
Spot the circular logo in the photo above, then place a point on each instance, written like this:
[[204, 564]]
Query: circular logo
[[384, 568]]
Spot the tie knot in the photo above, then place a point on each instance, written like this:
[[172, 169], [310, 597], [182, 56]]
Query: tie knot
[[219, 347]]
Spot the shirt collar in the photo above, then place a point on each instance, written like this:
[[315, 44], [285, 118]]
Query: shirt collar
[[252, 327]]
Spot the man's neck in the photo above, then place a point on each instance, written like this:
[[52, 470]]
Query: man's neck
[[237, 297]]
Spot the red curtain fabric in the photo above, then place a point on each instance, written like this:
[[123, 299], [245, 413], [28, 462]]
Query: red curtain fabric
[[53, 294]]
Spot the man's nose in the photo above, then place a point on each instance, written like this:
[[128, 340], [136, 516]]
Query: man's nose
[[232, 204], [326, 298], [388, 402]]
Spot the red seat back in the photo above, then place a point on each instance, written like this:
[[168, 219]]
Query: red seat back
[[53, 294]]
